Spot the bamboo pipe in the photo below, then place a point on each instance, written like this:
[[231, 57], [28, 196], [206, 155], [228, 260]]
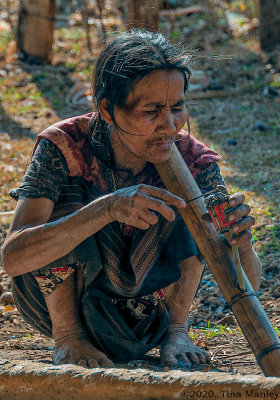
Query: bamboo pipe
[[245, 305]]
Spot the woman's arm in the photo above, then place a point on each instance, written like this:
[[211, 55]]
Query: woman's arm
[[32, 243]]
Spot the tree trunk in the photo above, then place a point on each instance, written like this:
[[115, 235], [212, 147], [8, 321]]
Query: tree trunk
[[35, 28], [269, 23], [143, 14]]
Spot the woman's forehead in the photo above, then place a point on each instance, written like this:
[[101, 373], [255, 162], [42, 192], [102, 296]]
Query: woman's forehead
[[158, 87]]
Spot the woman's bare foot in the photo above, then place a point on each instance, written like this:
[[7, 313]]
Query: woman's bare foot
[[179, 351], [78, 350], [72, 342]]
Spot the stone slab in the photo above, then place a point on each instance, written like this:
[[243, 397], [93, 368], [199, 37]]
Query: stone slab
[[25, 380]]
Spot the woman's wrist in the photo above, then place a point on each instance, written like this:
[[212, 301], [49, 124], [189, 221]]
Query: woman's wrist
[[108, 207]]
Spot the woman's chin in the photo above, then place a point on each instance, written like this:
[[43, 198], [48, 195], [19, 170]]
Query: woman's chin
[[160, 157]]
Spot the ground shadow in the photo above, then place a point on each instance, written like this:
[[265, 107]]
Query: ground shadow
[[13, 128]]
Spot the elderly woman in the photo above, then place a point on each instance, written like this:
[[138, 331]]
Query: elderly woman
[[100, 258]]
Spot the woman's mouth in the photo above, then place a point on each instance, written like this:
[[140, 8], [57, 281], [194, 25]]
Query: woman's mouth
[[163, 145]]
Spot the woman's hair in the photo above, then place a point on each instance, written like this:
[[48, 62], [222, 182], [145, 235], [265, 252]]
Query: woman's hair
[[128, 59]]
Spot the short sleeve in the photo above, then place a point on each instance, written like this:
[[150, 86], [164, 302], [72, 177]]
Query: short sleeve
[[45, 175], [209, 178]]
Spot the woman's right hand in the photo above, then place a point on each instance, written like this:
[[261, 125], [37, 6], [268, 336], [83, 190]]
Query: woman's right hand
[[134, 205]]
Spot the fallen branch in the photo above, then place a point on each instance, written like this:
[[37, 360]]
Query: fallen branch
[[235, 355], [181, 11], [213, 94], [4, 213], [219, 93]]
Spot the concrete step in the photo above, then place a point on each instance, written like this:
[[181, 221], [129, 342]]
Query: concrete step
[[25, 380]]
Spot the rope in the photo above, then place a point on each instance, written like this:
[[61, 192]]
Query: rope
[[266, 351], [239, 296]]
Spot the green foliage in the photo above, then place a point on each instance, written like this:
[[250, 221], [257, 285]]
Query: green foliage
[[70, 65], [73, 33], [210, 333], [275, 84]]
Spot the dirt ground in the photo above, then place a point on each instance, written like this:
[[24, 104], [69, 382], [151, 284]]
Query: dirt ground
[[237, 115]]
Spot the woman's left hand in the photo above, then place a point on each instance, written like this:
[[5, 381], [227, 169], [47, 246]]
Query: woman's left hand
[[239, 234]]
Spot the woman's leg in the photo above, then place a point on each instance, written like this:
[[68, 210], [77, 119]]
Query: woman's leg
[[72, 343], [178, 298]]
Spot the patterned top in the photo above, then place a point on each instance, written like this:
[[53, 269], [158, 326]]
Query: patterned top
[[64, 152], [48, 172]]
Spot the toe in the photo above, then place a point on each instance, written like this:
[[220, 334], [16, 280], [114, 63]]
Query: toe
[[93, 363], [82, 363], [105, 362], [169, 361]]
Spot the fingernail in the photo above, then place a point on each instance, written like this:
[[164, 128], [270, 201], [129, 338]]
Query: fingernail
[[235, 229], [231, 217], [233, 242]]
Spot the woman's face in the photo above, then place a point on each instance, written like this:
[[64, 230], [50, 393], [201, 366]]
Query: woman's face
[[153, 115]]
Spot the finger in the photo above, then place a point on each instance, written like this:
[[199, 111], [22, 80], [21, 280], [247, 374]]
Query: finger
[[201, 355], [140, 223], [206, 217], [105, 362], [156, 205], [239, 212], [169, 361], [184, 359], [148, 216], [243, 224], [241, 239], [236, 199], [193, 357], [206, 355], [165, 195]]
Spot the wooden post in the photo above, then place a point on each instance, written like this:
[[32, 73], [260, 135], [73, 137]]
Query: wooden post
[[269, 23], [218, 255], [35, 28]]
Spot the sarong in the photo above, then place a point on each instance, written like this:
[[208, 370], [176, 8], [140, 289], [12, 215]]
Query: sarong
[[137, 270]]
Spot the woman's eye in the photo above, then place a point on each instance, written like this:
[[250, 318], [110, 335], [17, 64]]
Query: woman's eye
[[151, 112], [176, 110]]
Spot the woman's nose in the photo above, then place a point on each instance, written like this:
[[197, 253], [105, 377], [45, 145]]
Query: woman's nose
[[166, 123]]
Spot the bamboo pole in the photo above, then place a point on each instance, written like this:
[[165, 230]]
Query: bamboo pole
[[245, 305]]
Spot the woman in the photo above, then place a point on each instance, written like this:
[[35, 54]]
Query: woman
[[100, 258]]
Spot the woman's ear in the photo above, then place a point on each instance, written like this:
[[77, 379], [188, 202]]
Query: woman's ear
[[103, 109]]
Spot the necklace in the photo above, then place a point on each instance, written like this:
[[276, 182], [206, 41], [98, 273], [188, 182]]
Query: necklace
[[114, 184]]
